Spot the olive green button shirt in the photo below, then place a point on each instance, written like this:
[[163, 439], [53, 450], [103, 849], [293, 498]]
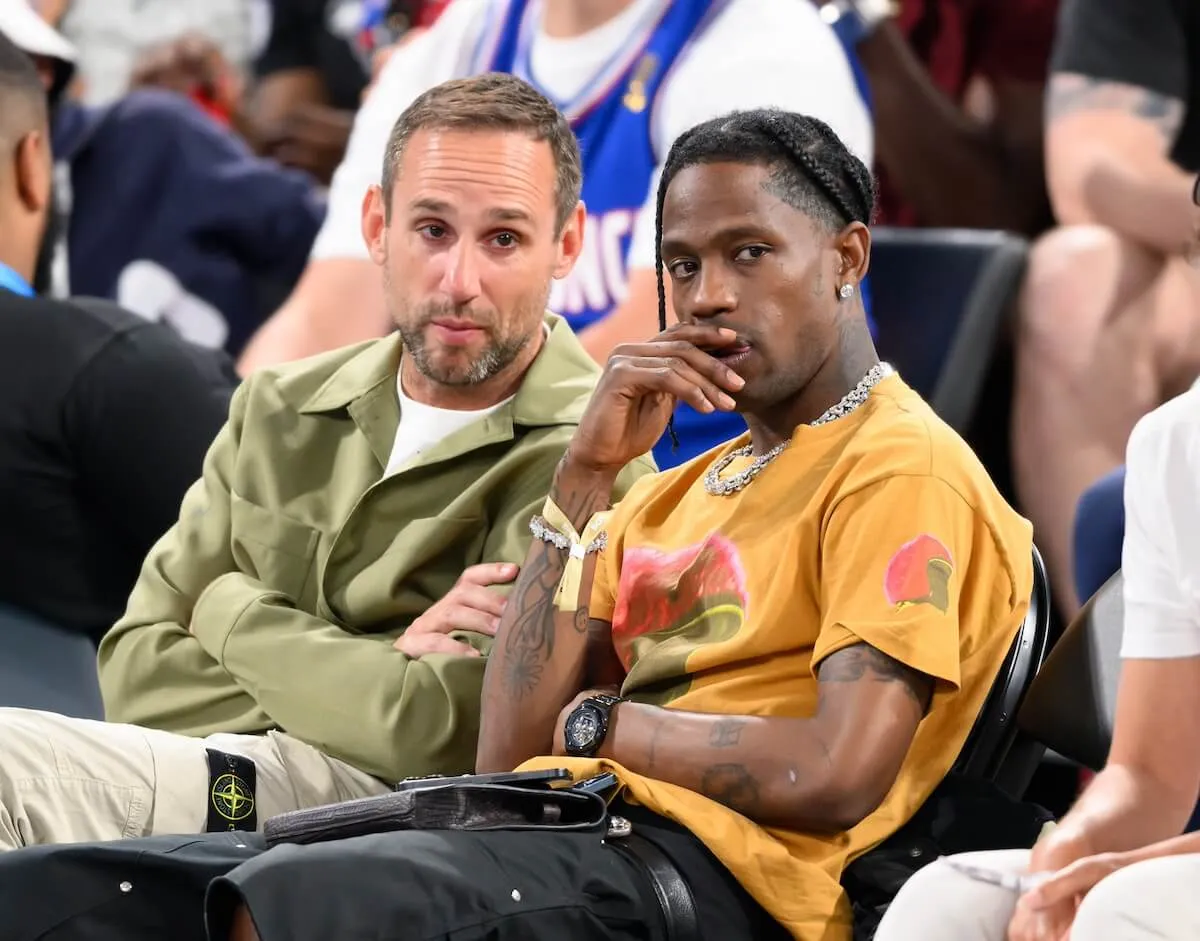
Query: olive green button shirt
[[274, 601]]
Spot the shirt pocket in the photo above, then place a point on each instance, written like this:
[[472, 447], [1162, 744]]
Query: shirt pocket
[[272, 547]]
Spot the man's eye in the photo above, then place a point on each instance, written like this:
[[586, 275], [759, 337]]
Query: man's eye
[[505, 240], [433, 231]]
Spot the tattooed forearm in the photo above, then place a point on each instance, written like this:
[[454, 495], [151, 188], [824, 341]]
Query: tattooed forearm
[[1070, 93], [540, 659], [864, 662], [734, 786], [529, 641], [528, 637]]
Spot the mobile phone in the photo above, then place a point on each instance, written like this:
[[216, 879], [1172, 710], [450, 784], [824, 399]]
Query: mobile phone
[[513, 778], [600, 784]]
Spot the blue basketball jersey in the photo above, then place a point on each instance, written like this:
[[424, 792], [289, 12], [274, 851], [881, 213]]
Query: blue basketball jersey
[[613, 117]]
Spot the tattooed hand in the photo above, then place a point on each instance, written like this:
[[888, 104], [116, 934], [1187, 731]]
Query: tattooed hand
[[629, 410]]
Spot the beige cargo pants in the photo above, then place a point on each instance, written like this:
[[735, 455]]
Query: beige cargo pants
[[66, 780], [1154, 900]]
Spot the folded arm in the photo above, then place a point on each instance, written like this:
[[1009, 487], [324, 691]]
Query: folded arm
[[1108, 161], [351, 696], [825, 773]]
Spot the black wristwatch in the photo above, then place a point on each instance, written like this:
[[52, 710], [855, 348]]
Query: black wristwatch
[[587, 725]]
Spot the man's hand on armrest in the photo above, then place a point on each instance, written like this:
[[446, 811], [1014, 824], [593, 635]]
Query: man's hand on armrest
[[822, 774]]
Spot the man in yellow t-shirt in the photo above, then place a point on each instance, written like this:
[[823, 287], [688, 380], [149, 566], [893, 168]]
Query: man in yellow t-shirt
[[778, 649]]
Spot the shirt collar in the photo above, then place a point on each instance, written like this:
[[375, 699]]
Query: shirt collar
[[11, 281]]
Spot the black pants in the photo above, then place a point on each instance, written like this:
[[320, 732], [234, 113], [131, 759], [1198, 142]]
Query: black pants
[[410, 886]]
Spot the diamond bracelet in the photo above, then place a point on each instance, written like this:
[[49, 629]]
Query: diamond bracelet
[[543, 531]]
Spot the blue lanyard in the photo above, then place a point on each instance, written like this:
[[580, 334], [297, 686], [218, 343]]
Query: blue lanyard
[[11, 281]]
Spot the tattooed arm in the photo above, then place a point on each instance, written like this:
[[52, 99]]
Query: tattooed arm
[[821, 774], [1108, 161], [538, 662]]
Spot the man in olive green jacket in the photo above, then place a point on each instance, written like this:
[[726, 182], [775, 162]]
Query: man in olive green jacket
[[312, 628]]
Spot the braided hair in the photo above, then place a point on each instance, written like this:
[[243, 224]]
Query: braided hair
[[812, 170]]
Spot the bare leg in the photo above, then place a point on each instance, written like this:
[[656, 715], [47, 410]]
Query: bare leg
[[1108, 331]]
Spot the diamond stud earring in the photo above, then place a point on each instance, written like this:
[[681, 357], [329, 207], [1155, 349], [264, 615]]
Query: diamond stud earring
[[845, 291]]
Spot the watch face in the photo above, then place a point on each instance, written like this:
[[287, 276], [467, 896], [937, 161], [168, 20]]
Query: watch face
[[584, 729]]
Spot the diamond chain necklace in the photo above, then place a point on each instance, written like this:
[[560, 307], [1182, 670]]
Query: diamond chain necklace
[[850, 401]]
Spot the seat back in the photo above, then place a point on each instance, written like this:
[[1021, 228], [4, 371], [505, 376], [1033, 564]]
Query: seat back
[[1073, 702], [45, 667], [995, 729], [939, 299]]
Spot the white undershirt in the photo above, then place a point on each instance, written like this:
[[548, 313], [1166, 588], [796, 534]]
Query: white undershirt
[[755, 54], [1160, 557], [422, 426]]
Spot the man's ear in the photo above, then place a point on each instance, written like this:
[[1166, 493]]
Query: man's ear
[[34, 169], [374, 224], [853, 246], [570, 241]]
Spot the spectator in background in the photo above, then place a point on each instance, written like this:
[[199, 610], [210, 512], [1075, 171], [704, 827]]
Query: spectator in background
[[956, 89], [1110, 313], [308, 81], [111, 35], [166, 212], [104, 418], [631, 75], [1119, 848]]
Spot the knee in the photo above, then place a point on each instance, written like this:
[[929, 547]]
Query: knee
[[1075, 278], [1135, 903], [939, 903]]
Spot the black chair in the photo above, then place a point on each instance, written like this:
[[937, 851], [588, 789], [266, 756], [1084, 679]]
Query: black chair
[[987, 748], [872, 880], [1073, 702], [939, 299], [45, 667]]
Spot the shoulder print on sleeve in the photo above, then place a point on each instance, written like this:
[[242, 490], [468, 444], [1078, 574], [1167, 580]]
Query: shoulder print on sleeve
[[919, 573]]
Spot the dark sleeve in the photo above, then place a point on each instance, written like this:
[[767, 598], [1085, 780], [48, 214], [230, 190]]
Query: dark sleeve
[[1135, 42], [139, 419], [294, 24]]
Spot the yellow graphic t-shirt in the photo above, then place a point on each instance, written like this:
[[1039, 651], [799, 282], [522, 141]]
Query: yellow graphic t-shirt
[[881, 527]]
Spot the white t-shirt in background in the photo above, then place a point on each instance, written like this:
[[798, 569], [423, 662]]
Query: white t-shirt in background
[[756, 54], [1160, 556]]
